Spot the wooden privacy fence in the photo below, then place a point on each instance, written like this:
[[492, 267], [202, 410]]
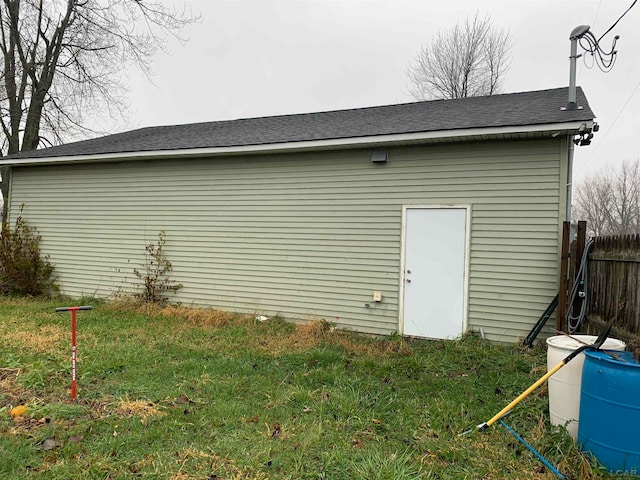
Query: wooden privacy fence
[[614, 284]]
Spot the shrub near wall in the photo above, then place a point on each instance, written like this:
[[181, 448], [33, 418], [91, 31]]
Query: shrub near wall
[[23, 270]]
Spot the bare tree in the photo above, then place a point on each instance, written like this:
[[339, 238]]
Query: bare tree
[[610, 200], [64, 59], [468, 60]]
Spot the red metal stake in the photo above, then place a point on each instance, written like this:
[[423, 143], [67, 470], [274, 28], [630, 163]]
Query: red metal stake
[[73, 354], [73, 311]]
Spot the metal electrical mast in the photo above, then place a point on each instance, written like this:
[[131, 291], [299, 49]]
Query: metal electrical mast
[[583, 36]]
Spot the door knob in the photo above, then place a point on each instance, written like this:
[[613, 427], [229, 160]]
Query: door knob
[[408, 280]]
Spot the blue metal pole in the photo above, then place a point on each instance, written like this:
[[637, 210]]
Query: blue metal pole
[[533, 450]]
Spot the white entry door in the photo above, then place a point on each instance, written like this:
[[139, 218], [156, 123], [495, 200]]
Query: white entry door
[[434, 272]]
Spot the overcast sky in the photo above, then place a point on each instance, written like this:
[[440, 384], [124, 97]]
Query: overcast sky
[[251, 58]]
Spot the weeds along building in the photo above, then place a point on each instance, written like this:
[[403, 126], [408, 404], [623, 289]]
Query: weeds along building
[[427, 219]]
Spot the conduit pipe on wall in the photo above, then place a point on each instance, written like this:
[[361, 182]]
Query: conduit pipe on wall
[[569, 175]]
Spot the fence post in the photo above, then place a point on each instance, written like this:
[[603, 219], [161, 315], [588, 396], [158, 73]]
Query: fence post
[[577, 251], [564, 270]]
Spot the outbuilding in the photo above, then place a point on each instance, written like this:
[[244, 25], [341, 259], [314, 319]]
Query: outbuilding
[[427, 219]]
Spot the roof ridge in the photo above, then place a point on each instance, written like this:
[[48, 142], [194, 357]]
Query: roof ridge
[[355, 109]]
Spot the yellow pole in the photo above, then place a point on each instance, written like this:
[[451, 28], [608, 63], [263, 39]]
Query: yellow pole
[[520, 397]]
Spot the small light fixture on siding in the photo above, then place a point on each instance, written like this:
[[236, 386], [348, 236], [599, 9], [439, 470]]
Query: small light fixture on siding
[[379, 156]]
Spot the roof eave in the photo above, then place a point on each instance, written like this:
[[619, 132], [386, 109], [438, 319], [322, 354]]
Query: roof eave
[[442, 136]]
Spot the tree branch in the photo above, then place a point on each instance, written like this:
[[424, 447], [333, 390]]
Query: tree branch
[[469, 59]]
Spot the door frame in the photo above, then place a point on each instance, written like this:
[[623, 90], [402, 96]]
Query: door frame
[[467, 241]]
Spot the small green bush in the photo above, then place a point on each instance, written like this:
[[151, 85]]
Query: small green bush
[[23, 270]]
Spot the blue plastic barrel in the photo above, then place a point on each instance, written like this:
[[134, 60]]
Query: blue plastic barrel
[[609, 424]]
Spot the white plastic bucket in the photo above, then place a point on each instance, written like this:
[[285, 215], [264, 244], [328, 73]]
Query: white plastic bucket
[[564, 385]]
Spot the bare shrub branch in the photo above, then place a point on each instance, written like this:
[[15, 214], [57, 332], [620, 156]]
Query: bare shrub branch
[[154, 274]]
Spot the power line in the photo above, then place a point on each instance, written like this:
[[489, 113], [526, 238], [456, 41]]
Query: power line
[[633, 92], [600, 57], [605, 60], [616, 22], [597, 13]]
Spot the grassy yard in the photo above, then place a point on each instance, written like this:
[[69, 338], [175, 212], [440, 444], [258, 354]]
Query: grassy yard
[[182, 394]]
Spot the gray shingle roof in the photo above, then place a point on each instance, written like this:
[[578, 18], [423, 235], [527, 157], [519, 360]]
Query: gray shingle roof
[[512, 110]]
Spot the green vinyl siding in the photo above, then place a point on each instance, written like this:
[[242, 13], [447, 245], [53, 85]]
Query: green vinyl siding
[[307, 235]]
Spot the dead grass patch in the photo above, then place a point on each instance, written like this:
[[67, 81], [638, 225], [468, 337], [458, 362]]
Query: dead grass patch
[[11, 394], [46, 338], [139, 408], [304, 335], [198, 317], [98, 409], [540, 431], [9, 373], [189, 316], [319, 332]]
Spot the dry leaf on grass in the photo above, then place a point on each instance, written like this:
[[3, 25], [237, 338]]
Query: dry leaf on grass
[[18, 411], [49, 444], [182, 399], [276, 431]]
